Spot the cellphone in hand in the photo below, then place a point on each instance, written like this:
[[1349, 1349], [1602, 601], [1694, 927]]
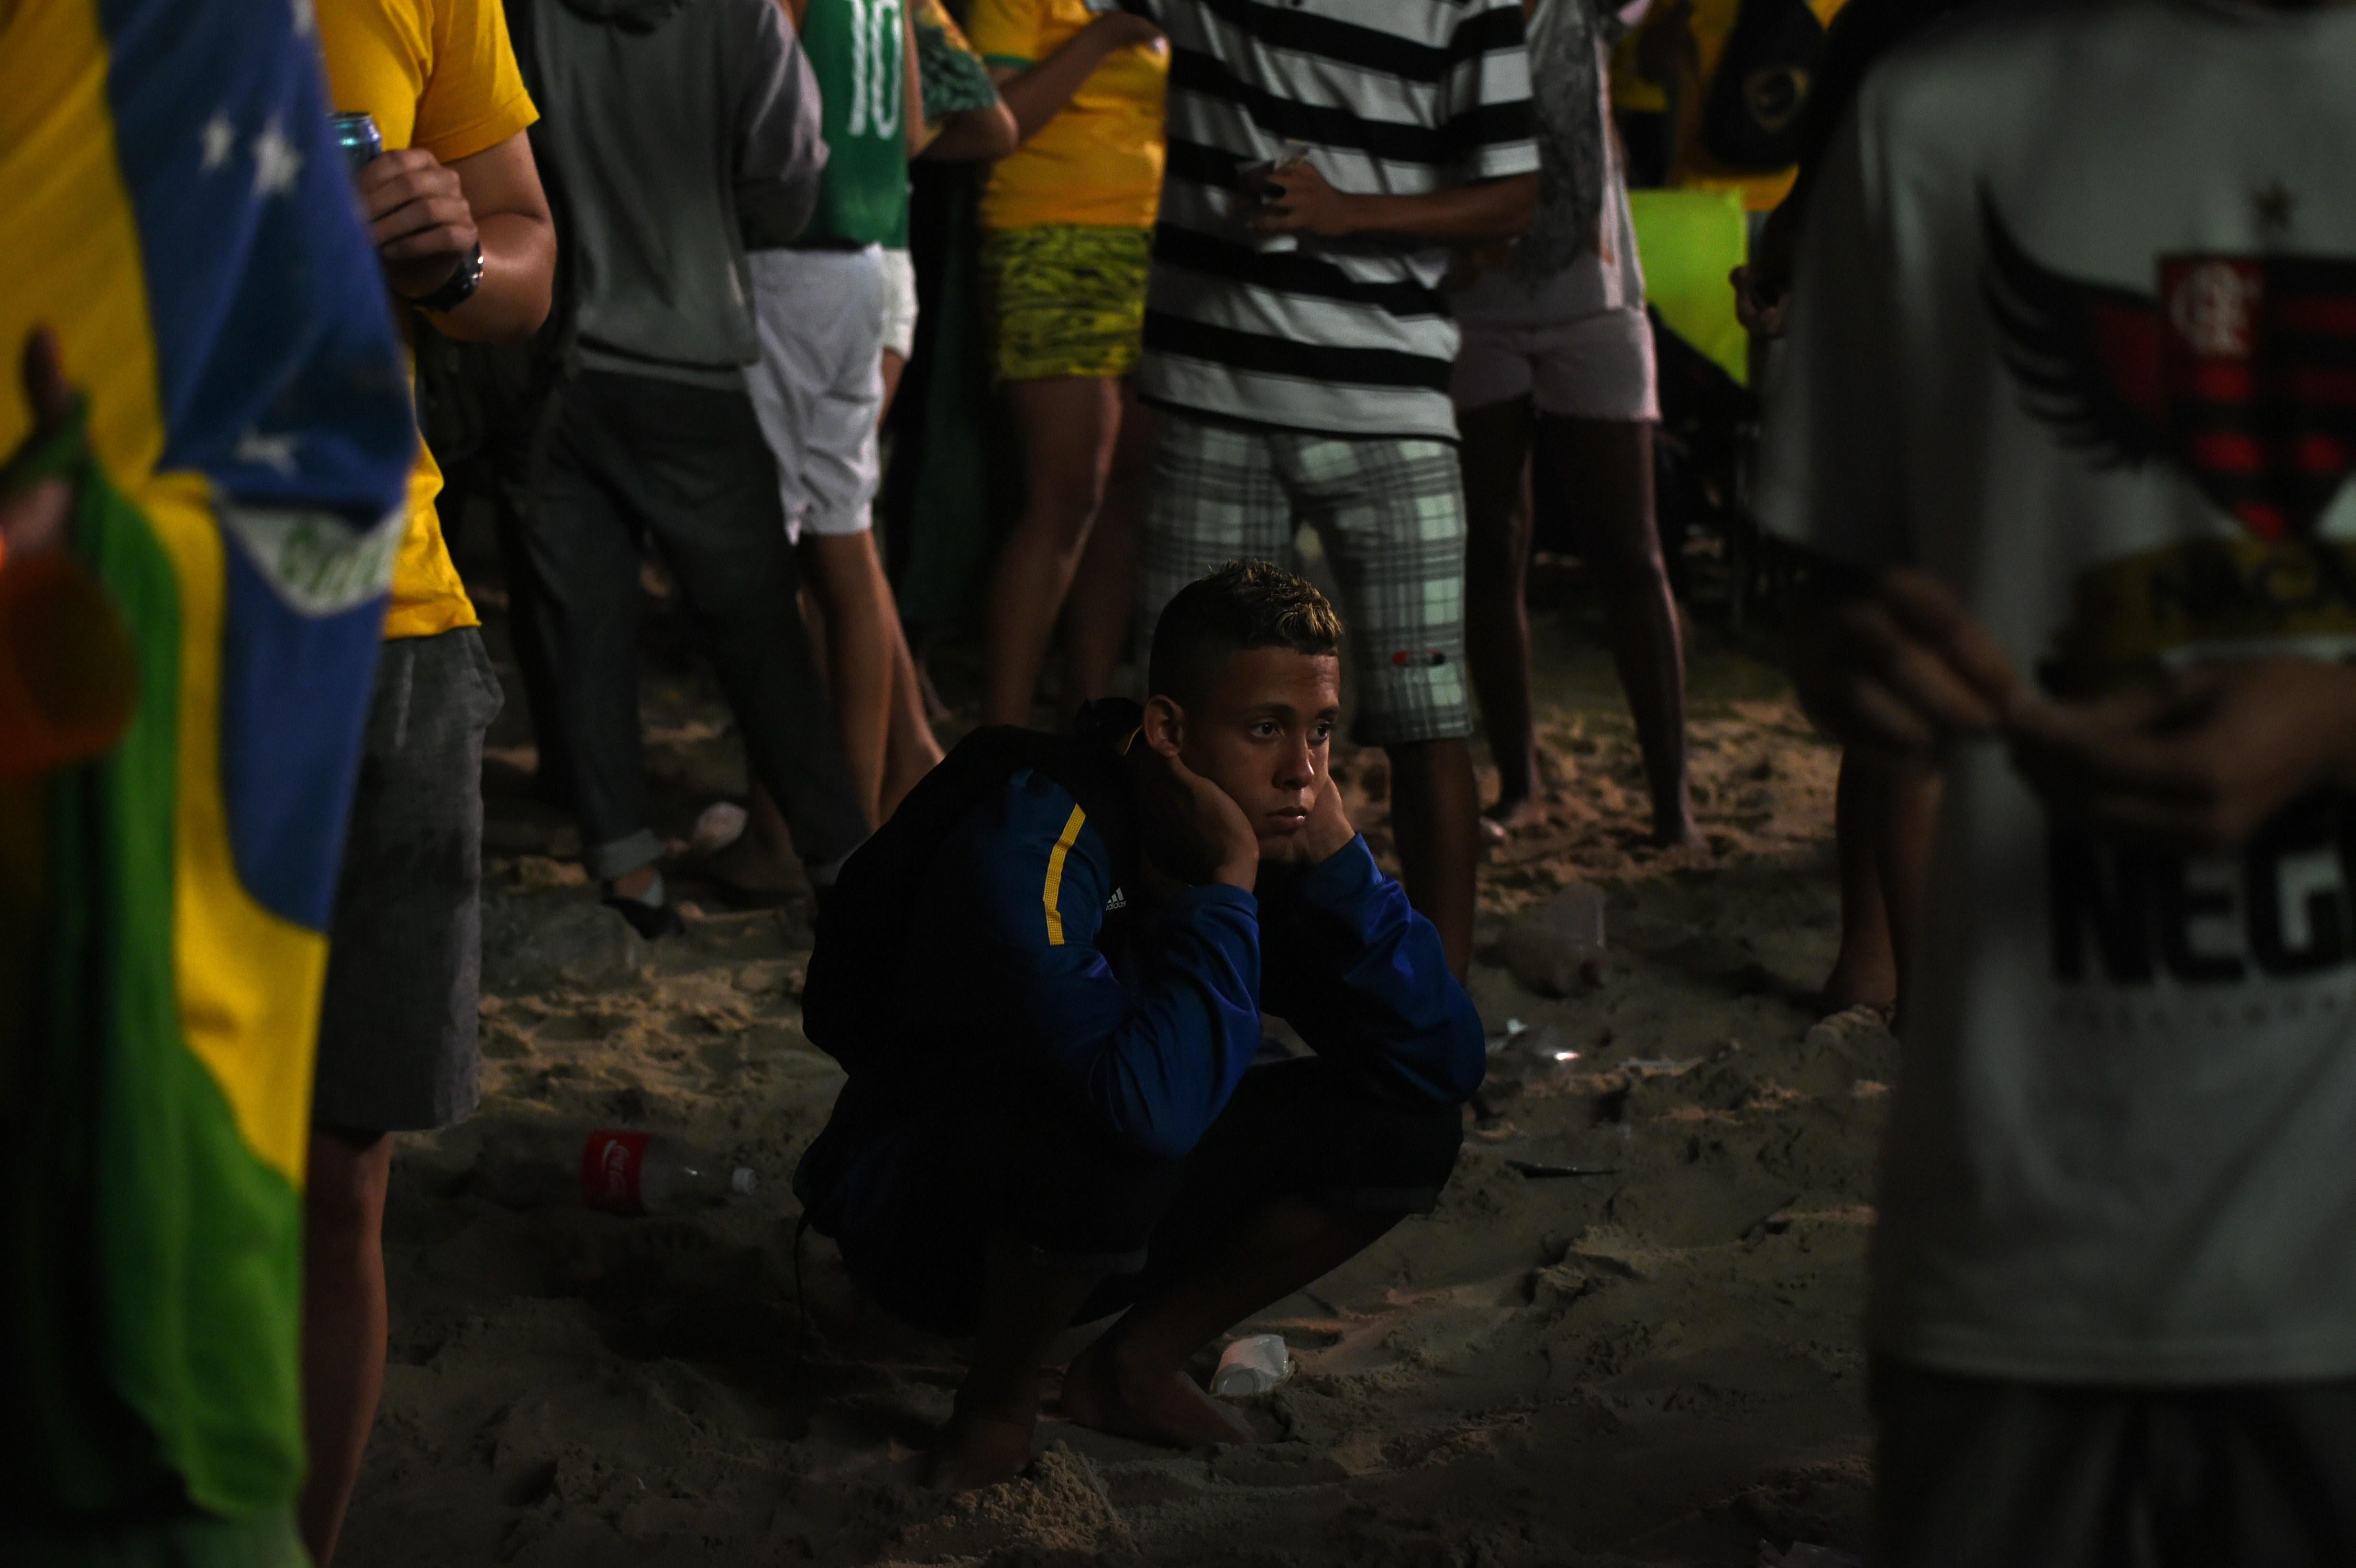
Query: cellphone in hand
[[1255, 188]]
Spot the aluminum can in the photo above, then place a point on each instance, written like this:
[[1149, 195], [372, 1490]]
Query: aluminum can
[[357, 134]]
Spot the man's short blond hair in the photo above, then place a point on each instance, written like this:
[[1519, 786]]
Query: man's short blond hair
[[1243, 604]]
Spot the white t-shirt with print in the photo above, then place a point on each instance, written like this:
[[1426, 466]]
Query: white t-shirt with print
[[2075, 333]]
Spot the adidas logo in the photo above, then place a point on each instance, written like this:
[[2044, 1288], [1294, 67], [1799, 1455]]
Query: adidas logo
[[1118, 901]]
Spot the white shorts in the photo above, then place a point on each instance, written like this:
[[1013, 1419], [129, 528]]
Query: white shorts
[[1596, 367], [900, 306], [817, 387]]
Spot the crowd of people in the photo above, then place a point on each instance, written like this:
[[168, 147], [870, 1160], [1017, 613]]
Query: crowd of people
[[2058, 425]]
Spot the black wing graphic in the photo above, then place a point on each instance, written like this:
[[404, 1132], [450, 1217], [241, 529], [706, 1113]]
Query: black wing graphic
[[2086, 355]]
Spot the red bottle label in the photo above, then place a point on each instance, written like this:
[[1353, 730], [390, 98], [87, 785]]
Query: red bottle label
[[609, 1170]]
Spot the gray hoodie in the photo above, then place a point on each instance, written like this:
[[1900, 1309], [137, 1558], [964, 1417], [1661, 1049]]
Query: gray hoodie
[[668, 122]]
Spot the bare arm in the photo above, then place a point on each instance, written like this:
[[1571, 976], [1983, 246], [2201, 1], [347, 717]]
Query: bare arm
[[1038, 93], [2193, 760], [966, 136], [974, 135], [911, 87], [427, 217], [1302, 201]]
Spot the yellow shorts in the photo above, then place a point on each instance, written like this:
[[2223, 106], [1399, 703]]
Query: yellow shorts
[[1067, 299]]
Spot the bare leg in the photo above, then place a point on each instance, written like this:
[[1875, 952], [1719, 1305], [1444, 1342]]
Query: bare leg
[[1608, 463], [1865, 975], [1133, 1379], [846, 580], [1104, 589], [1025, 1303], [762, 859], [1495, 455], [912, 750], [1435, 821], [916, 707], [344, 1319], [1069, 424], [862, 631], [1909, 827]]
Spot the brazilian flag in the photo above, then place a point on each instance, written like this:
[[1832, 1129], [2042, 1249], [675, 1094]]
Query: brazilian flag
[[173, 206]]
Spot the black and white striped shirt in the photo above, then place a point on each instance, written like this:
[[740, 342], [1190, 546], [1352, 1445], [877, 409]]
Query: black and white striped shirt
[[1391, 97]]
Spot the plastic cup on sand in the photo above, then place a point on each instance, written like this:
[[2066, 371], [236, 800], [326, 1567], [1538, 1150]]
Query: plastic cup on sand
[[1253, 1364]]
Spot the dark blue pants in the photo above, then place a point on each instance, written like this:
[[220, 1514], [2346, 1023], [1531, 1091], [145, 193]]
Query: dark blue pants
[[1001, 1161]]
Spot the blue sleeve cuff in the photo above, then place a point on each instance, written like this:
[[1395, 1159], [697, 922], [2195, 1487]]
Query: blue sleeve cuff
[[1343, 879], [1212, 895]]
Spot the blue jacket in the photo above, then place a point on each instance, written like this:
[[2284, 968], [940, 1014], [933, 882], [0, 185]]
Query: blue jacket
[[1003, 955]]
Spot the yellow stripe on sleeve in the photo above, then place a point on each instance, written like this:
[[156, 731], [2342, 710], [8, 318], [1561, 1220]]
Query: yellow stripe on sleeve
[[1054, 888]]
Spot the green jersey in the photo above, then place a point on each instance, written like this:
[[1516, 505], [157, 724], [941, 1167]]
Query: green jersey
[[858, 50]]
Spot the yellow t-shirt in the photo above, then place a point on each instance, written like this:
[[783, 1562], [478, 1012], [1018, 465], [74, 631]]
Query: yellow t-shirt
[[437, 74], [1098, 162]]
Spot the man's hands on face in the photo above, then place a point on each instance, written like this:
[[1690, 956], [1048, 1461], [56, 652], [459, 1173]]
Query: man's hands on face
[[2198, 761], [1194, 831], [1301, 200], [1326, 834], [420, 218]]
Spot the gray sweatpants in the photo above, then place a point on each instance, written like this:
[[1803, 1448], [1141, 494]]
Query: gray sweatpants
[[635, 459]]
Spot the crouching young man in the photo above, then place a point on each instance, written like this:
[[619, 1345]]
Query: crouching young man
[[1046, 977]]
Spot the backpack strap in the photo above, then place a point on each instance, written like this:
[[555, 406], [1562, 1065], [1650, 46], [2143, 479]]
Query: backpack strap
[[860, 933], [1090, 763]]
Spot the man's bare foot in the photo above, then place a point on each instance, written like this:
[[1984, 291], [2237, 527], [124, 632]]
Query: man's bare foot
[[1509, 816], [1110, 1390], [905, 767], [1864, 985], [750, 867], [977, 1451], [1671, 829]]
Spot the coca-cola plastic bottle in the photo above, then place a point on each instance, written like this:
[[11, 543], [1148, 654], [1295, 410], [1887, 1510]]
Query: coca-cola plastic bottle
[[632, 1172]]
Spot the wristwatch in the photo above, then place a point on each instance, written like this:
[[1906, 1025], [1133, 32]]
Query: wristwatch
[[459, 287]]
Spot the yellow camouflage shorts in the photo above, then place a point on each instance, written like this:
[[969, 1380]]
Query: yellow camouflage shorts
[[1067, 299]]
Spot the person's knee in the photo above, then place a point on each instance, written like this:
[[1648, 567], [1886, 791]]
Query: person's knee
[[1418, 764], [1421, 1144], [1091, 1204], [1627, 560], [1066, 504], [344, 1186], [1394, 1158], [843, 571]]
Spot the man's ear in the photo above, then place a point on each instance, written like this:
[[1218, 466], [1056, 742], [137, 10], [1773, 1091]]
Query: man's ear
[[1165, 725]]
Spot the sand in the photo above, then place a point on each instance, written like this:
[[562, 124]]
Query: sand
[[1658, 1364]]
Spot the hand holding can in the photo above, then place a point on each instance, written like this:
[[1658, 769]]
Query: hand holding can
[[359, 138]]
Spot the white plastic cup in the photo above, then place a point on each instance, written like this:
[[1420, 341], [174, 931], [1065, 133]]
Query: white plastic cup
[[1253, 1364]]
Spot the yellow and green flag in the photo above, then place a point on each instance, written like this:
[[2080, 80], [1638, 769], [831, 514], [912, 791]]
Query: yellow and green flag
[[173, 206]]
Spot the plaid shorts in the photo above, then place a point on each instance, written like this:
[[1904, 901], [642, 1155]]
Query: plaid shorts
[[1390, 513]]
